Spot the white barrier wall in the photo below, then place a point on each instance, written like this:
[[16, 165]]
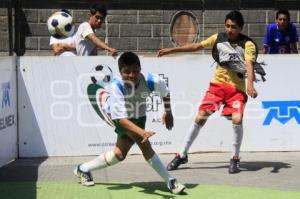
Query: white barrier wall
[[57, 119], [8, 110]]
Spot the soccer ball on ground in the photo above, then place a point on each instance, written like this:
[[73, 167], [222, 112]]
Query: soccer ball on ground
[[60, 25], [102, 75]]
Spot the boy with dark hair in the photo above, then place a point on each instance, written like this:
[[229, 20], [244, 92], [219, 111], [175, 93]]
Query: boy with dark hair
[[281, 37], [86, 40], [235, 55], [127, 108]]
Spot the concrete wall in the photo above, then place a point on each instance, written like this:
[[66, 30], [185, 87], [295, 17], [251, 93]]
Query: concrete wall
[[142, 26], [3, 32]]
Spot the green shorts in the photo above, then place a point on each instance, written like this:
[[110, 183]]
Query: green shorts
[[121, 131]]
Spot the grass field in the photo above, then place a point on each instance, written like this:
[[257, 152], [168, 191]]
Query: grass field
[[139, 190]]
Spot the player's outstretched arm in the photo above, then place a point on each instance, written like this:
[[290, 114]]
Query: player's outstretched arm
[[186, 48], [127, 124], [250, 80], [59, 48], [100, 44], [167, 118]]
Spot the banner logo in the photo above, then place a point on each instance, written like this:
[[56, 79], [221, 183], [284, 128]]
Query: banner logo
[[154, 100], [5, 87], [98, 96], [282, 111], [8, 120]]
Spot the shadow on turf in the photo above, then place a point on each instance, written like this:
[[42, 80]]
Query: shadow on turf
[[244, 166], [20, 175], [148, 188]]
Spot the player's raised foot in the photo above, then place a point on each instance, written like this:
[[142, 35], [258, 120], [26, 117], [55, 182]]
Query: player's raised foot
[[175, 187], [86, 178], [234, 165], [174, 164]]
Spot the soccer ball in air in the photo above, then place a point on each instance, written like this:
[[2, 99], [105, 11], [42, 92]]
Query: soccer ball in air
[[60, 25], [102, 75]]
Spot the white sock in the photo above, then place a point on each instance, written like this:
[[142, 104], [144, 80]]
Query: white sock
[[237, 139], [159, 167], [189, 139], [102, 161]]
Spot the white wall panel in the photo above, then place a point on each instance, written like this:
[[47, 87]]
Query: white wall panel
[[57, 119], [8, 110]]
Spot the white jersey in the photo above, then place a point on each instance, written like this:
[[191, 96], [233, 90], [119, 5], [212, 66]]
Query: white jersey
[[128, 102], [68, 40], [85, 47]]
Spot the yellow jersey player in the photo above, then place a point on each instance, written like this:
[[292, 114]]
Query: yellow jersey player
[[235, 55]]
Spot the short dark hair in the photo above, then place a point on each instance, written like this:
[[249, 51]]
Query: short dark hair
[[235, 16], [283, 12], [129, 59], [66, 11], [98, 8]]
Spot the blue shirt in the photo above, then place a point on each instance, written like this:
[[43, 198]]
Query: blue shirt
[[279, 41]]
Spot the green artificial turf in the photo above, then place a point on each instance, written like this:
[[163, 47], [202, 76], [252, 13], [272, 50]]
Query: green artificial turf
[[139, 190]]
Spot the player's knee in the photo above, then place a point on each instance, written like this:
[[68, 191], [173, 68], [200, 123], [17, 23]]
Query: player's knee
[[121, 157], [200, 122], [148, 152], [202, 117], [237, 119], [120, 154], [111, 158]]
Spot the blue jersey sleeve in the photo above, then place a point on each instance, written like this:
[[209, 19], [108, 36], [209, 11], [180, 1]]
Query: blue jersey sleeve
[[294, 33], [268, 35]]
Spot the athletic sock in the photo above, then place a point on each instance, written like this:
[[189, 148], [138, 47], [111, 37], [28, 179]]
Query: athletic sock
[[159, 167], [237, 139], [189, 139], [102, 161]]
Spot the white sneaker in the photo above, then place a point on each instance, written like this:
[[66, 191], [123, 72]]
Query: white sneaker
[[175, 187], [85, 177]]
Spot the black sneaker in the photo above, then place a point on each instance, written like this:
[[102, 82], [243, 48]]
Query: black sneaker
[[234, 165], [86, 178], [174, 164]]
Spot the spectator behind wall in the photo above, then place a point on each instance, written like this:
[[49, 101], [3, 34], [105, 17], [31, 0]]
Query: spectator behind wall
[[65, 46], [86, 40], [281, 37]]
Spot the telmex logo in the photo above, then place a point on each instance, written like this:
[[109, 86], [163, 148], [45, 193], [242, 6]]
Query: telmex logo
[[282, 111], [5, 94]]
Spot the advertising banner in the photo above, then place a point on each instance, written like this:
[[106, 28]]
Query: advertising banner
[[8, 110], [61, 106]]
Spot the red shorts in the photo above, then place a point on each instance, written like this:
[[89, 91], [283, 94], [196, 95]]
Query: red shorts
[[234, 100]]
